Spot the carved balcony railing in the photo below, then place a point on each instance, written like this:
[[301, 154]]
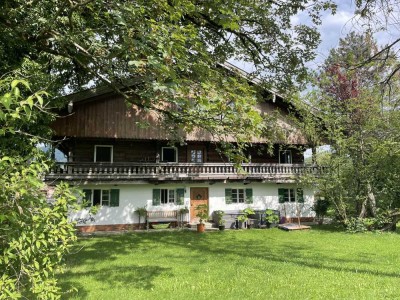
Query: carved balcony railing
[[80, 171]]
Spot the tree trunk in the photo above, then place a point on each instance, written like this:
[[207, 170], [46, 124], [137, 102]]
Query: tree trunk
[[314, 155], [363, 211], [371, 199]]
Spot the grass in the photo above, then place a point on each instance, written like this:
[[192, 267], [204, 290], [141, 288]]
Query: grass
[[254, 264]]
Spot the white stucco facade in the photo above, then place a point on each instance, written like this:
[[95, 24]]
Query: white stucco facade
[[132, 196]]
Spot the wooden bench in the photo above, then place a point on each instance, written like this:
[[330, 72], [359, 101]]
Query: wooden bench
[[161, 216]]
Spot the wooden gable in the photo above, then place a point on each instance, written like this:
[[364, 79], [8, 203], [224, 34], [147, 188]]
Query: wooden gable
[[108, 116]]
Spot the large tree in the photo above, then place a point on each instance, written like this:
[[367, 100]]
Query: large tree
[[163, 55], [356, 116], [381, 18], [159, 55]]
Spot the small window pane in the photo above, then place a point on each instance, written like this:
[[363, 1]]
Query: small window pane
[[103, 154], [96, 197], [105, 198], [292, 195], [241, 195], [164, 196], [169, 154], [238, 196], [234, 195], [171, 196], [167, 196], [285, 157], [196, 156], [286, 195]]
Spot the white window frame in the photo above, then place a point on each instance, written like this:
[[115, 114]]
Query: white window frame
[[285, 151], [292, 194], [176, 153], [101, 197], [109, 146], [196, 152], [170, 199], [236, 199], [106, 199]]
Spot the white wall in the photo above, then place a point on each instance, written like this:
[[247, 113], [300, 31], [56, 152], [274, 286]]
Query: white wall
[[265, 195]]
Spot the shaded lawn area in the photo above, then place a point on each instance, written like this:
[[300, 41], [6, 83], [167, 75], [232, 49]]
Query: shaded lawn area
[[262, 264]]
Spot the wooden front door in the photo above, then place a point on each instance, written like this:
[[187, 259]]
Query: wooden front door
[[198, 195]]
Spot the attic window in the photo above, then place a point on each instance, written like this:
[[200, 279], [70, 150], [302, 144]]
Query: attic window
[[196, 155], [103, 153], [169, 154], [285, 157]]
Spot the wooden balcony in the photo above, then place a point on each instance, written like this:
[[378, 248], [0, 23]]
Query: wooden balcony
[[154, 172]]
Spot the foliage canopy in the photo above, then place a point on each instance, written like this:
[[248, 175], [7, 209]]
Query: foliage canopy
[[34, 234], [164, 55], [358, 118]]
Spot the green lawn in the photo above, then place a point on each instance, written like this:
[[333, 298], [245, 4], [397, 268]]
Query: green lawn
[[245, 264]]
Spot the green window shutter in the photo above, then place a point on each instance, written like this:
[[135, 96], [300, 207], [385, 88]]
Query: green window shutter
[[87, 197], [156, 197], [228, 196], [114, 197], [300, 197], [281, 195], [249, 196], [180, 196]]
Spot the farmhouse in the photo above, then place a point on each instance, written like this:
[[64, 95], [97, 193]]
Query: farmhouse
[[121, 165]]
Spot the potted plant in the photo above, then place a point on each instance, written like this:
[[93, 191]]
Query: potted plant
[[271, 218], [202, 214], [245, 216], [141, 212], [182, 211], [221, 222]]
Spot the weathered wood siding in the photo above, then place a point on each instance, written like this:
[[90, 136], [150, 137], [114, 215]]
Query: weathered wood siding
[[146, 151], [123, 151], [108, 116]]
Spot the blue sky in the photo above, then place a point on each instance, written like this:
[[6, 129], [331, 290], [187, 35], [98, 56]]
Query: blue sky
[[338, 25], [333, 28]]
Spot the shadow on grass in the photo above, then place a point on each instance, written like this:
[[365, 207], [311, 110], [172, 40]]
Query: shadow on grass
[[277, 253], [334, 228], [95, 248], [71, 289], [183, 247], [89, 251], [137, 277]]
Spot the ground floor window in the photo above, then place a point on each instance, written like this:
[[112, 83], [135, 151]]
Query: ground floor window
[[103, 197], [290, 195], [168, 196], [238, 196]]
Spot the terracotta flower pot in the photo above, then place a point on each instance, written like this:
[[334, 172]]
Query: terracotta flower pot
[[201, 227]]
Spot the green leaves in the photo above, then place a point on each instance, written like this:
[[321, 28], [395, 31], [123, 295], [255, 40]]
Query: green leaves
[[351, 112], [34, 234], [168, 48]]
